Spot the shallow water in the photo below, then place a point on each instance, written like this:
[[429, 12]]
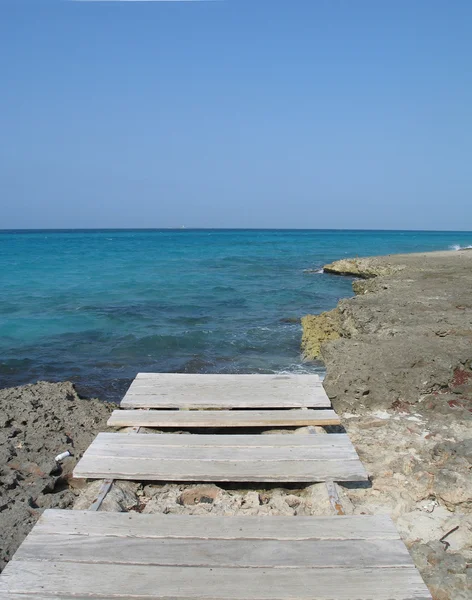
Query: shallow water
[[95, 307]]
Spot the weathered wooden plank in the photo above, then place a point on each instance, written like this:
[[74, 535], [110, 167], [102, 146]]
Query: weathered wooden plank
[[226, 391], [77, 522], [156, 469], [257, 377], [214, 553], [225, 441], [236, 455], [151, 401], [105, 581], [221, 458], [222, 418], [233, 454]]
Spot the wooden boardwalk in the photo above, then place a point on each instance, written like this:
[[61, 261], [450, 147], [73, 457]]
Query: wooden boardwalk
[[75, 554], [79, 555], [249, 458]]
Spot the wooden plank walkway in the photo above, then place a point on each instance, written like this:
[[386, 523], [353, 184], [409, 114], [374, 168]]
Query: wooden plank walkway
[[176, 390], [90, 555], [174, 457], [222, 418], [79, 555]]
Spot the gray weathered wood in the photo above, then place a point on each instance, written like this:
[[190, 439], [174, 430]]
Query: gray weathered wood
[[336, 447], [78, 522], [155, 469], [214, 553], [148, 457], [222, 418], [221, 454], [165, 390], [85, 555], [108, 581], [225, 441], [261, 377]]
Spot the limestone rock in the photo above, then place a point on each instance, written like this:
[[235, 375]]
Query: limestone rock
[[121, 497], [366, 268], [318, 329], [38, 422], [199, 495]]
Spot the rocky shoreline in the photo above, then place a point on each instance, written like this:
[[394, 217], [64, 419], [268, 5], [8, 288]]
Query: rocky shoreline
[[37, 423], [399, 373]]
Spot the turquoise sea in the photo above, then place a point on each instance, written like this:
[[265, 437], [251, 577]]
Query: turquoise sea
[[96, 306]]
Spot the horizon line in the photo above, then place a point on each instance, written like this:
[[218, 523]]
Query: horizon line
[[21, 229]]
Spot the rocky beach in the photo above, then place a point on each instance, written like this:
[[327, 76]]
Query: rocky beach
[[399, 373], [37, 423]]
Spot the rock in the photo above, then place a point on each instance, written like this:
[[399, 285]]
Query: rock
[[318, 329], [365, 268], [444, 572], [250, 501], [121, 497], [200, 494], [404, 351], [293, 501], [454, 488], [38, 422], [317, 500], [278, 505]]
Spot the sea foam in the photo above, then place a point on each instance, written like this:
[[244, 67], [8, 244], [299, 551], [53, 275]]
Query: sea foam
[[458, 247]]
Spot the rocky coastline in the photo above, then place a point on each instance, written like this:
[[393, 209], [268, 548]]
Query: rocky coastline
[[399, 372], [37, 423]]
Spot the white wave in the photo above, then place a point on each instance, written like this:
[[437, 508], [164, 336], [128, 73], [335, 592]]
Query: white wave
[[457, 247], [301, 369], [313, 271]]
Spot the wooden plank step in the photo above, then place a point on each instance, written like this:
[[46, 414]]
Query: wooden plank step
[[222, 418], [84, 522], [269, 458], [67, 581], [214, 553], [90, 555], [225, 441], [178, 390]]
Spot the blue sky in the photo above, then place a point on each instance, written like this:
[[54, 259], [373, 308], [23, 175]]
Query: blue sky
[[239, 113]]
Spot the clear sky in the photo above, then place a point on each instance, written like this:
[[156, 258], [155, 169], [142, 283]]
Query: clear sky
[[236, 113]]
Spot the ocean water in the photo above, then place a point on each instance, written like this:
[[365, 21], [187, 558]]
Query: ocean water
[[97, 306]]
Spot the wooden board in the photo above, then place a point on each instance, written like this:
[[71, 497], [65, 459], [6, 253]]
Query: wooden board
[[227, 441], [84, 554], [84, 522], [222, 418], [215, 553], [46, 580], [173, 457], [177, 390], [253, 376]]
